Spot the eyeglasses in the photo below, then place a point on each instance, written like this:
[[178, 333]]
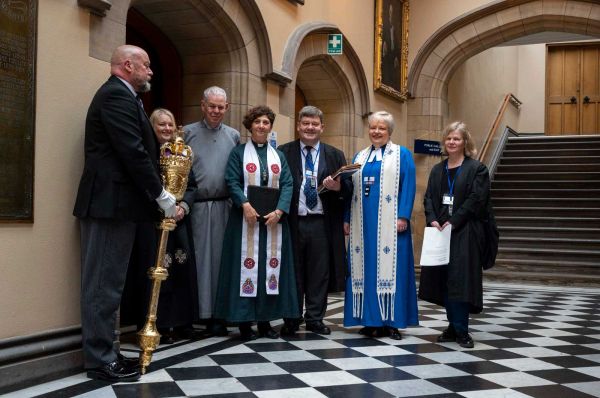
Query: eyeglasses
[[214, 107]]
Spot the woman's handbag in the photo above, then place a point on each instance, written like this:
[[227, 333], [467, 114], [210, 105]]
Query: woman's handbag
[[492, 236]]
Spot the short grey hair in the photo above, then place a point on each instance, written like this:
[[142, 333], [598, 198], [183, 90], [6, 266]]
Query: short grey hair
[[310, 111], [383, 116], [215, 91]]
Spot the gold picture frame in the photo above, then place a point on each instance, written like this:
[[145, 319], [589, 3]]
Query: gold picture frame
[[391, 48]]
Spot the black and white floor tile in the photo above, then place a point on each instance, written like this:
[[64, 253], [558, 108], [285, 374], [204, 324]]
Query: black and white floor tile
[[531, 341]]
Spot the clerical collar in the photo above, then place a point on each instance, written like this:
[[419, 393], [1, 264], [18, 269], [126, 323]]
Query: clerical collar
[[376, 154], [206, 125], [256, 144]]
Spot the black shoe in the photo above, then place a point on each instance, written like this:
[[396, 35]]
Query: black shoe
[[114, 372], [268, 333], [129, 363], [265, 330], [368, 331], [217, 328], [465, 341], [167, 338], [317, 327], [447, 336], [247, 334], [289, 328], [393, 333]]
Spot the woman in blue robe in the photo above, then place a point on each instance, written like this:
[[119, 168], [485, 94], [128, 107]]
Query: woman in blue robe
[[380, 289]]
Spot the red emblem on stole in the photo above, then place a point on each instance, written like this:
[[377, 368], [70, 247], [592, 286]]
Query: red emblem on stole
[[273, 263], [251, 167], [249, 263], [275, 168]]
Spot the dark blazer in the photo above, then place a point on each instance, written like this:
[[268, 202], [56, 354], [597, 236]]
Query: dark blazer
[[462, 277], [330, 159], [121, 175]]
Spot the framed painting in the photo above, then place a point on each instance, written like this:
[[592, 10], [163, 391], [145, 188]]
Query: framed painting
[[391, 48]]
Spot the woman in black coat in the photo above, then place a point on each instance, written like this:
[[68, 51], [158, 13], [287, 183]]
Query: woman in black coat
[[457, 197]]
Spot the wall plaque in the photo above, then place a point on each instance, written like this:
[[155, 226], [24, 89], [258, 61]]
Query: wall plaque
[[17, 108]]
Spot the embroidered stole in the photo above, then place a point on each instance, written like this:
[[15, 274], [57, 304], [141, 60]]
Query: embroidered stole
[[250, 232], [387, 236]]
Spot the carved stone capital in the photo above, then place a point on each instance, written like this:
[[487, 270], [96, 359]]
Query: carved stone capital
[[96, 7]]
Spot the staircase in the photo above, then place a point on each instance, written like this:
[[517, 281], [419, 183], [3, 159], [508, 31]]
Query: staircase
[[546, 197]]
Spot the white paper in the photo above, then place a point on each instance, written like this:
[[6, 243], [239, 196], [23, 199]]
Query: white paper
[[436, 246]]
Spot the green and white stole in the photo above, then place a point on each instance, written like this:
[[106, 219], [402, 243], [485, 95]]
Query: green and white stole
[[250, 232], [389, 185]]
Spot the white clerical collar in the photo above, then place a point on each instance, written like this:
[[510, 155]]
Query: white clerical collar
[[129, 86], [376, 154]]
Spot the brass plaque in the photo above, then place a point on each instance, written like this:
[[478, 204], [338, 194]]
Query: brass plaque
[[17, 108]]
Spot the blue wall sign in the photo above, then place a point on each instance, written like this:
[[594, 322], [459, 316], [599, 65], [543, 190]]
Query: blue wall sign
[[428, 147]]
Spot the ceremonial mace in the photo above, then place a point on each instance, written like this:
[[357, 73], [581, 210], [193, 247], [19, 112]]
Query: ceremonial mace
[[175, 164]]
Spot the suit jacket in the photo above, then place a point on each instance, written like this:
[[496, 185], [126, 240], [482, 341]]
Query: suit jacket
[[121, 177], [330, 159]]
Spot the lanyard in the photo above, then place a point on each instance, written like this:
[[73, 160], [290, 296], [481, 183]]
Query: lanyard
[[451, 184], [315, 159]]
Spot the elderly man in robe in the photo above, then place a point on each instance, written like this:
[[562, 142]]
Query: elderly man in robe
[[211, 140]]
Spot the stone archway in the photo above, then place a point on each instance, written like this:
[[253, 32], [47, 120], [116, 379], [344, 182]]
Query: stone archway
[[464, 37], [336, 84], [220, 43]]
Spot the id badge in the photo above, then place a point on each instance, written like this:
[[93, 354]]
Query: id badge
[[448, 199]]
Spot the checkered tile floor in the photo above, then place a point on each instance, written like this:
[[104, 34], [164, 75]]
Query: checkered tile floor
[[530, 342]]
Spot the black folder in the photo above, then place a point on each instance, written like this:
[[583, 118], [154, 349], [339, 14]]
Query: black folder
[[263, 199]]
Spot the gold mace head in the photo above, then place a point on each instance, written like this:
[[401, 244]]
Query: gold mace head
[[175, 164]]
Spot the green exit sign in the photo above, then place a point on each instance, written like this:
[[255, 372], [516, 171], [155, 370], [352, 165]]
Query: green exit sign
[[334, 44]]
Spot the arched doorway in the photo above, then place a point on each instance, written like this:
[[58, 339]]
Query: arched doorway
[[335, 84], [165, 63], [323, 84], [461, 39], [219, 43]]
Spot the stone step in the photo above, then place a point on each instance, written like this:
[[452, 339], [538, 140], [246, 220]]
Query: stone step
[[549, 160], [545, 193], [548, 211], [554, 138], [547, 168], [550, 152], [517, 274], [546, 222], [554, 243], [541, 184], [548, 232], [544, 202], [553, 145], [548, 176], [548, 254]]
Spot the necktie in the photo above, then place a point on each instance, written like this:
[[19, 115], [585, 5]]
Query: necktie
[[310, 189]]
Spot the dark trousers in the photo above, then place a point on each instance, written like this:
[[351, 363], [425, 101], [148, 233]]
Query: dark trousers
[[312, 267], [105, 250], [457, 313]]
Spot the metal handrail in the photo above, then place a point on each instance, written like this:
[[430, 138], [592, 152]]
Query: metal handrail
[[508, 98]]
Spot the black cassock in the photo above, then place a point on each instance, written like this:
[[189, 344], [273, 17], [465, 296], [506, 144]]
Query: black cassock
[[462, 277]]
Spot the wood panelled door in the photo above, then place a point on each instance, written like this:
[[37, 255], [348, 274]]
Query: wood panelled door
[[573, 90]]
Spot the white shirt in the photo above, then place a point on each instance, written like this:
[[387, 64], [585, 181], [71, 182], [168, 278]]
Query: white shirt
[[303, 210]]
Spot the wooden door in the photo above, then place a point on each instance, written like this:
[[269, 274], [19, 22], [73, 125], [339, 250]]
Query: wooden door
[[590, 92], [573, 90]]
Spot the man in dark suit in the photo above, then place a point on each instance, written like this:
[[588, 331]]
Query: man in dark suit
[[120, 187], [316, 221]]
